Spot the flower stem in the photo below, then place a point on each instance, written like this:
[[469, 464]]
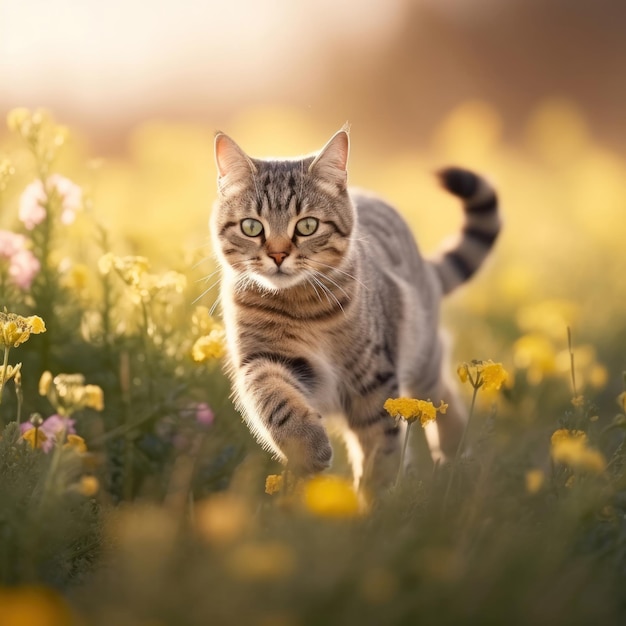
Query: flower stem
[[403, 455], [5, 365], [477, 385], [54, 464]]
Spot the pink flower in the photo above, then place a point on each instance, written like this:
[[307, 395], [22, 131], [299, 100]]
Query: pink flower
[[32, 209], [32, 200], [71, 196], [10, 243], [204, 415], [23, 265], [51, 428]]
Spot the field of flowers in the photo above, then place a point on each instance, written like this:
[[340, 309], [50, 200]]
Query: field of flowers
[[131, 493]]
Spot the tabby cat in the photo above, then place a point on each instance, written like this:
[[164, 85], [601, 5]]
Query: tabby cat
[[329, 306]]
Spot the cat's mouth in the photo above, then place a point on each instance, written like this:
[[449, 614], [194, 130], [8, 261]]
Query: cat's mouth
[[280, 278]]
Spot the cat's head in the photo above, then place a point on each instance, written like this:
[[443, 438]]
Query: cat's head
[[281, 222]]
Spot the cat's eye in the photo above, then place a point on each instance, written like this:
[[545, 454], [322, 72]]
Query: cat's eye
[[251, 227], [307, 226]]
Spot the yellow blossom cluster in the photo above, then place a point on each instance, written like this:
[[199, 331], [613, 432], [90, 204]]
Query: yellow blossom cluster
[[202, 322], [410, 409], [273, 484], [211, 346], [571, 447], [134, 271], [76, 443], [6, 172], [486, 375], [40, 132], [331, 496], [15, 329], [9, 372], [35, 438], [68, 393]]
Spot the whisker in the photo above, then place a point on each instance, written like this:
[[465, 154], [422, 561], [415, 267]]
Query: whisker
[[308, 280], [328, 292], [204, 293], [217, 301], [323, 288], [332, 282], [340, 271]]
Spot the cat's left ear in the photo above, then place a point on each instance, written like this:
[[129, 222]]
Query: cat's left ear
[[331, 163], [233, 164]]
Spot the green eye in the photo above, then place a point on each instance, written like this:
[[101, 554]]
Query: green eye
[[251, 227], [307, 226]]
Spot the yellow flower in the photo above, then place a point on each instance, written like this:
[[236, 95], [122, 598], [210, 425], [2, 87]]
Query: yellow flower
[[16, 119], [6, 171], [76, 443], [211, 346], [564, 434], [88, 486], [68, 393], [572, 449], [93, 397], [15, 329], [578, 401], [35, 437], [202, 322], [493, 375], [331, 496], [222, 518], [261, 561], [487, 375], [106, 263], [534, 480], [44, 383], [621, 400], [535, 353], [34, 606], [410, 409], [76, 277], [131, 268], [10, 372], [273, 484]]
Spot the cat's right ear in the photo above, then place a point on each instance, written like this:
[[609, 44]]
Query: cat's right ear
[[234, 167], [331, 164]]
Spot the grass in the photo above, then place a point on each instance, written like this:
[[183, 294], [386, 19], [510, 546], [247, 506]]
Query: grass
[[164, 518]]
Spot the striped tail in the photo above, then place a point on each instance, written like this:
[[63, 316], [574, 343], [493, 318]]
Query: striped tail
[[463, 255]]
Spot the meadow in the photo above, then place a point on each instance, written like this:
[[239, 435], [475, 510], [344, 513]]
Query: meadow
[[132, 494]]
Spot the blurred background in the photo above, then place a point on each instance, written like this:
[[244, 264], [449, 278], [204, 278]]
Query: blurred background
[[530, 92]]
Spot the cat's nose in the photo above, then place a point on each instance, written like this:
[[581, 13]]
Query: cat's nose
[[278, 257]]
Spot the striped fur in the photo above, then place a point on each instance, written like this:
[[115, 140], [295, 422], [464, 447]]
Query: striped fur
[[334, 322]]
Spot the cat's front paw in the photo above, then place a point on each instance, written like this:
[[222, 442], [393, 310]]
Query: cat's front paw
[[308, 451]]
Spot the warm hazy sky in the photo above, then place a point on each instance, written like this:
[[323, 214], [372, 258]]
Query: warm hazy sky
[[120, 53]]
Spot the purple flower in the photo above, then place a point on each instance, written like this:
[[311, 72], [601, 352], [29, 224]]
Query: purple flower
[[51, 428]]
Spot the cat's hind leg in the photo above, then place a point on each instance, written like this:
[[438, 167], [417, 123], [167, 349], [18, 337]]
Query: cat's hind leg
[[373, 441]]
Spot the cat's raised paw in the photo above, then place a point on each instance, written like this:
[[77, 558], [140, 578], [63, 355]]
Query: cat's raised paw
[[310, 451]]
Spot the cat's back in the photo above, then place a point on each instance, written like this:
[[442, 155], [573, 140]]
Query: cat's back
[[385, 235]]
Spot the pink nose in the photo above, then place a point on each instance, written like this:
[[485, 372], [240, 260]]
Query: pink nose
[[278, 257]]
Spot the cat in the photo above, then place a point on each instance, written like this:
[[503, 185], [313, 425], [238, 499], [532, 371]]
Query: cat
[[329, 307]]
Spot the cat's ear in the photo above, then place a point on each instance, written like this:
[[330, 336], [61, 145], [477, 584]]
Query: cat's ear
[[233, 164], [331, 164]]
